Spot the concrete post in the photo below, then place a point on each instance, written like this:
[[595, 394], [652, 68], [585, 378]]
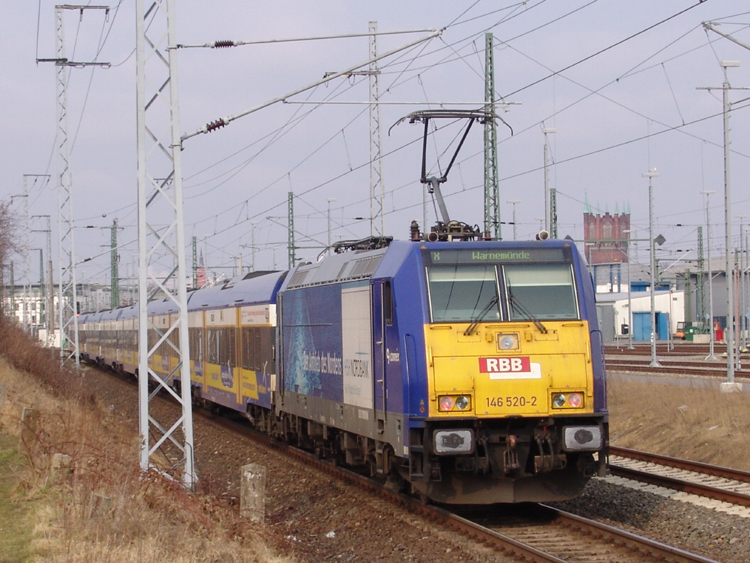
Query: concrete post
[[253, 492], [60, 469]]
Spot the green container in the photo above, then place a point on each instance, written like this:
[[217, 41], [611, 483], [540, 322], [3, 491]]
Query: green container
[[692, 330]]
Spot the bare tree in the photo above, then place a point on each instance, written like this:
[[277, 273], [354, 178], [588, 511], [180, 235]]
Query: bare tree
[[8, 241]]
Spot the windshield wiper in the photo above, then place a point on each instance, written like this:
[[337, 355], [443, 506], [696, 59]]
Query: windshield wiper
[[483, 313], [516, 304]]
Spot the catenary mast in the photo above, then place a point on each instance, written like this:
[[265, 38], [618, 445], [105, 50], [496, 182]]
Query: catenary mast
[[161, 237]]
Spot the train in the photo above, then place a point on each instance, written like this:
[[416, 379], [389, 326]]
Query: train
[[464, 371]]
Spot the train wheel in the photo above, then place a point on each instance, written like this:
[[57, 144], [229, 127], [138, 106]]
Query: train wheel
[[372, 465], [395, 483]]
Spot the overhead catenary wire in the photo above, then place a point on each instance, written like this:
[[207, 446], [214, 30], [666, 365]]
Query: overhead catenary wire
[[650, 27], [558, 18], [576, 10], [608, 48], [222, 122], [509, 177]]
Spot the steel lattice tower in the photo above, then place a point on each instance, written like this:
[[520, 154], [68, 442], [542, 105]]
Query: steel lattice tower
[[161, 237], [26, 249], [553, 213], [67, 291], [377, 189], [491, 190], [701, 280], [195, 262], [114, 275], [291, 248], [66, 273]]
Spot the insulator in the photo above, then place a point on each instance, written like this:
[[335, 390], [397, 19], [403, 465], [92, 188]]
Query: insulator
[[414, 231], [222, 44], [218, 124]]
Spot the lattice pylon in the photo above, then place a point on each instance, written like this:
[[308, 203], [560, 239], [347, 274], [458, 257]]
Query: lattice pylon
[[377, 188], [161, 241], [67, 292], [492, 227]]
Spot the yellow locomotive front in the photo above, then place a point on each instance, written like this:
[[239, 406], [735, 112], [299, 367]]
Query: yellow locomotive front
[[512, 382]]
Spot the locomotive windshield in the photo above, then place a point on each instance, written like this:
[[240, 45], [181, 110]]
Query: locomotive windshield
[[540, 291], [460, 293], [466, 285]]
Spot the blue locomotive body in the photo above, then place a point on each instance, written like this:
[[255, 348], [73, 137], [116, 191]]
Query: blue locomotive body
[[371, 342]]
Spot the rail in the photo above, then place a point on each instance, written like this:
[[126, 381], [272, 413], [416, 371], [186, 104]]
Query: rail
[[726, 484]]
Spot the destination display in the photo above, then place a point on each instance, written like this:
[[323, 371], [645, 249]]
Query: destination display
[[496, 256]]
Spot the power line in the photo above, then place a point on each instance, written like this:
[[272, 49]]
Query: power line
[[599, 52]]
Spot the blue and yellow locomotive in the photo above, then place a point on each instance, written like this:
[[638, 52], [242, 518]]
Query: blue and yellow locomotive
[[474, 370], [471, 371]]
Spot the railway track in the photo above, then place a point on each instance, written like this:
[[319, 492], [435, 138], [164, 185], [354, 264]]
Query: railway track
[[558, 536], [543, 534], [685, 358], [678, 348], [698, 368], [536, 533], [715, 482]]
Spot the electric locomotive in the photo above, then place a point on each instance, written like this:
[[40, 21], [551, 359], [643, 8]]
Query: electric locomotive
[[471, 370]]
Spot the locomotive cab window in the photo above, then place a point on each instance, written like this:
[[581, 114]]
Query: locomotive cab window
[[540, 291], [461, 294]]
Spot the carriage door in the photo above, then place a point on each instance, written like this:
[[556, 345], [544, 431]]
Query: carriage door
[[381, 313]]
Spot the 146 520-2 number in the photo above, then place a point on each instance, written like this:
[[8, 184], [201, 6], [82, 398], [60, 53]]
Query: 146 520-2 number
[[511, 401]]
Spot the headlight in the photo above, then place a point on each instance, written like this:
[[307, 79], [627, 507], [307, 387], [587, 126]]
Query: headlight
[[462, 403], [507, 341], [575, 400], [447, 403], [570, 401]]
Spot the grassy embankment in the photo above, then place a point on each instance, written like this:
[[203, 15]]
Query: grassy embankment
[[105, 511], [683, 421]]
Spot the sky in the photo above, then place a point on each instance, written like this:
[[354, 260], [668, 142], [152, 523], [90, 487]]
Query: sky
[[617, 84]]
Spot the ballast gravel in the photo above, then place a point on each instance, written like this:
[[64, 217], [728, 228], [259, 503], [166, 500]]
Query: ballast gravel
[[707, 532]]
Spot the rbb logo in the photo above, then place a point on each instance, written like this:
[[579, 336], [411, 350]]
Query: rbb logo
[[504, 365]]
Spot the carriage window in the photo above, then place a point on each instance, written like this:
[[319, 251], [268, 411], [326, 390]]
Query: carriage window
[[251, 348], [212, 345], [227, 354], [196, 343], [543, 292], [461, 293]]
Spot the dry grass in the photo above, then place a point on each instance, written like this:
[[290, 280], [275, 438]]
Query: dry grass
[[693, 422], [106, 510]]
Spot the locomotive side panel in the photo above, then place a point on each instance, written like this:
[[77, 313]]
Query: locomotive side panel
[[330, 338], [327, 373]]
